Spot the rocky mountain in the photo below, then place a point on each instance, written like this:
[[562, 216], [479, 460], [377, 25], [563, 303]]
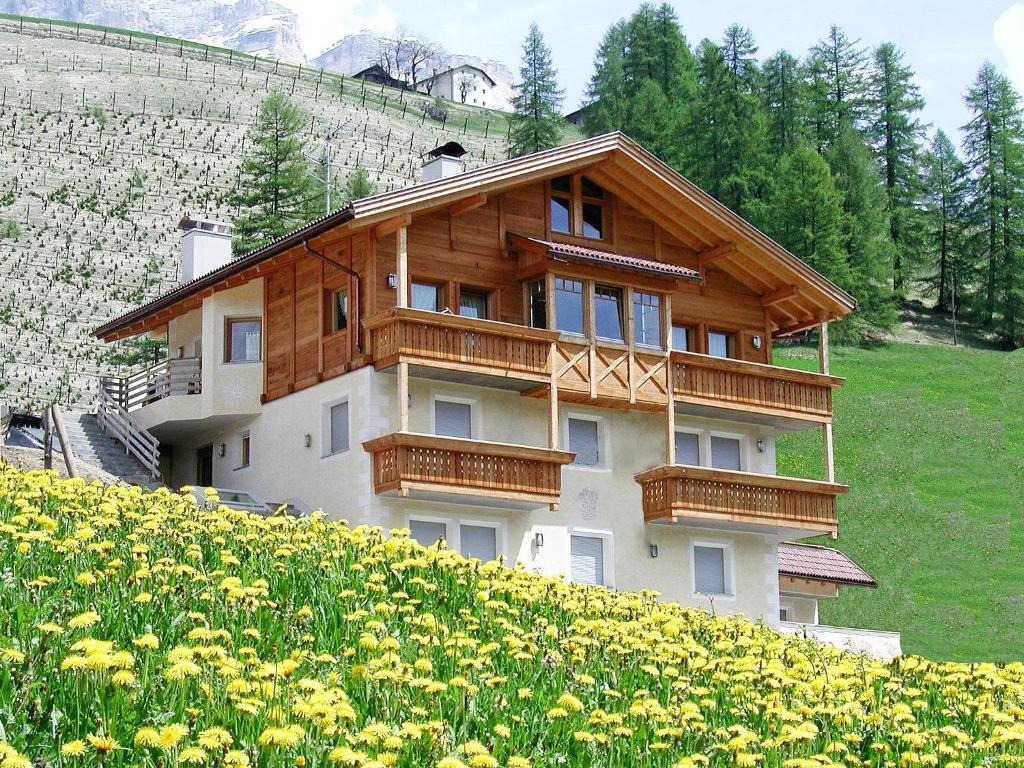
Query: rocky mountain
[[262, 27]]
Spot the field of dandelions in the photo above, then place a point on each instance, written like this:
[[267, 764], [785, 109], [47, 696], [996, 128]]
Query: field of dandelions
[[139, 629]]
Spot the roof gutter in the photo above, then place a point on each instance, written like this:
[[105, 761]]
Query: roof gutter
[[355, 293]]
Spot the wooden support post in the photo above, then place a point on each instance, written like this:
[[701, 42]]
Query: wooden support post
[[65, 443], [553, 408], [402, 268], [47, 441], [403, 397], [670, 420], [826, 429]]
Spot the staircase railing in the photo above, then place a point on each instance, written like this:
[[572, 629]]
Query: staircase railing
[[115, 420], [181, 376]]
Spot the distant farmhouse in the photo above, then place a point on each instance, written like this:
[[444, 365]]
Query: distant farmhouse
[[465, 83], [377, 74]]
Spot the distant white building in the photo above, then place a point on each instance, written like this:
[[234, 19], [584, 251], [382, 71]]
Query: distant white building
[[464, 83]]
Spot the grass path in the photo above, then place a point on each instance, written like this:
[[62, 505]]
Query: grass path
[[931, 441]]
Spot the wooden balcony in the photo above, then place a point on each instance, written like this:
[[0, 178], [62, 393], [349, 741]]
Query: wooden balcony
[[168, 378], [700, 495], [470, 471], [714, 383]]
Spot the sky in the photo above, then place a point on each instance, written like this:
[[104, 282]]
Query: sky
[[945, 41]]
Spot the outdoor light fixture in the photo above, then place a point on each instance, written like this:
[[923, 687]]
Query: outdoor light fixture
[[392, 280], [307, 440], [654, 550], [538, 539], [761, 446], [221, 449], [757, 342]]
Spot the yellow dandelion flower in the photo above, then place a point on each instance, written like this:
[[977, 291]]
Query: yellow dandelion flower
[[84, 620], [170, 735], [193, 756], [215, 738], [103, 744]]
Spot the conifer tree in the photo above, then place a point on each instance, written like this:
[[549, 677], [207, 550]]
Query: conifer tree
[[606, 101], [838, 86], [895, 131], [945, 180], [784, 94], [358, 185], [536, 123]]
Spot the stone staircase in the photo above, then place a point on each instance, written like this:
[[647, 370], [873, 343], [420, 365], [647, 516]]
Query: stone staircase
[[91, 446]]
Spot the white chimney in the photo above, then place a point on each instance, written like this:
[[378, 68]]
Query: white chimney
[[205, 246], [443, 161]]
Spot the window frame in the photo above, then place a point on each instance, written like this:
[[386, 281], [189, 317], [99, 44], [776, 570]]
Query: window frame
[[567, 198], [728, 568], [453, 530], [604, 459], [690, 332], [659, 310], [584, 295], [702, 451], [332, 325], [528, 301], [325, 427], [482, 292], [742, 438], [244, 450], [607, 552], [440, 293], [623, 310], [229, 322], [475, 416], [600, 202], [730, 343]]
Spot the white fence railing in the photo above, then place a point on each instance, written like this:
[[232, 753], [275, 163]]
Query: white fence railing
[[181, 376], [115, 420]]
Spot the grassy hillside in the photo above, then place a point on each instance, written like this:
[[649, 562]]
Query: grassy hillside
[[931, 441], [139, 630], [107, 137]]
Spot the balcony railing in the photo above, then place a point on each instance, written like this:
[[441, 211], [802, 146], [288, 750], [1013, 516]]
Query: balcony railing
[[679, 493], [181, 376], [739, 385], [404, 462]]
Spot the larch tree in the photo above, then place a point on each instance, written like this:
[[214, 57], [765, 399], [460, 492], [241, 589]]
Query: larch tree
[[945, 198], [784, 93], [606, 99], [838, 86], [895, 132], [277, 189], [537, 120], [358, 185]]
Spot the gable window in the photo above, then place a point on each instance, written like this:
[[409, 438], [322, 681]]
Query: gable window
[[593, 209], [647, 318], [243, 340], [537, 304], [561, 204], [608, 312], [720, 344], [586, 559], [473, 303], [681, 338], [426, 296], [711, 569], [453, 419], [337, 437], [584, 439], [569, 305], [339, 309], [726, 453], [688, 448]]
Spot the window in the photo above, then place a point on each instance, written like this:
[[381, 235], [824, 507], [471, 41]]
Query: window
[[709, 570], [561, 204], [725, 453], [586, 556], [584, 440], [688, 448], [593, 209], [337, 438], [243, 340], [784, 614], [719, 344], [428, 532], [569, 305], [339, 309], [426, 296], [246, 456], [453, 419], [647, 319], [608, 312], [537, 301], [473, 303], [479, 541], [681, 338]]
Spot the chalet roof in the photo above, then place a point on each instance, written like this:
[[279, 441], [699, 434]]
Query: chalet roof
[[801, 297], [635, 263], [809, 561]]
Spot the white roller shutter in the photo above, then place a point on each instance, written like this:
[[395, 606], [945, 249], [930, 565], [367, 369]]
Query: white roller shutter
[[479, 541], [583, 440], [709, 570], [453, 419], [427, 532], [725, 453], [688, 448], [587, 559]]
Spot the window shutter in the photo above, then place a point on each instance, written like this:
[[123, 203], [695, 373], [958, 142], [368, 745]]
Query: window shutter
[[479, 541], [453, 419], [725, 453], [709, 570], [427, 532], [586, 559], [583, 439], [339, 427], [687, 448]]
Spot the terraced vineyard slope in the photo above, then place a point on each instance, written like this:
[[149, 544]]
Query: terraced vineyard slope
[[107, 138]]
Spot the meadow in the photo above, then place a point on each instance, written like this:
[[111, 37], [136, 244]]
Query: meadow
[[139, 629]]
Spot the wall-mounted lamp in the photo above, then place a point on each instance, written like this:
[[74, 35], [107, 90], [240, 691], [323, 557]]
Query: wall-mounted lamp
[[761, 445], [757, 342], [221, 449], [392, 280], [654, 550], [538, 539], [307, 440]]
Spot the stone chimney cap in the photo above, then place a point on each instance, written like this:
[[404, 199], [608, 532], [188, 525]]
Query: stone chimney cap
[[448, 149], [189, 222]]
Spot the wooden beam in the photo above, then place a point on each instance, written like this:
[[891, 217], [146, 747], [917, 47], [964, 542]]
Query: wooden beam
[[785, 293], [403, 397], [466, 205], [393, 224], [707, 258], [402, 267]]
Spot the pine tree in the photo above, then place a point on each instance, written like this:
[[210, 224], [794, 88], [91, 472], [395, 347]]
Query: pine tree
[[607, 104], [895, 131], [277, 193], [838, 86], [784, 94], [358, 185], [945, 180], [536, 123]]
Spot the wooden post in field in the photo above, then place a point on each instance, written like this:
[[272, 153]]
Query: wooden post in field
[[826, 429], [47, 441]]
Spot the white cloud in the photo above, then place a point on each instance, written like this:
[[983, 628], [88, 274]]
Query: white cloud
[[324, 22], [1008, 32]]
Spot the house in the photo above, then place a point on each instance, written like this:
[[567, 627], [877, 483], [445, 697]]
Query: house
[[563, 360], [377, 74], [465, 83]]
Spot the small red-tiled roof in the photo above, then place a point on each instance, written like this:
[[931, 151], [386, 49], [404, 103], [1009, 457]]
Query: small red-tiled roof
[[808, 561], [593, 255]]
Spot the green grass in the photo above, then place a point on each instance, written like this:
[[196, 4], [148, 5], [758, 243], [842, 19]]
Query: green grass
[[930, 440]]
